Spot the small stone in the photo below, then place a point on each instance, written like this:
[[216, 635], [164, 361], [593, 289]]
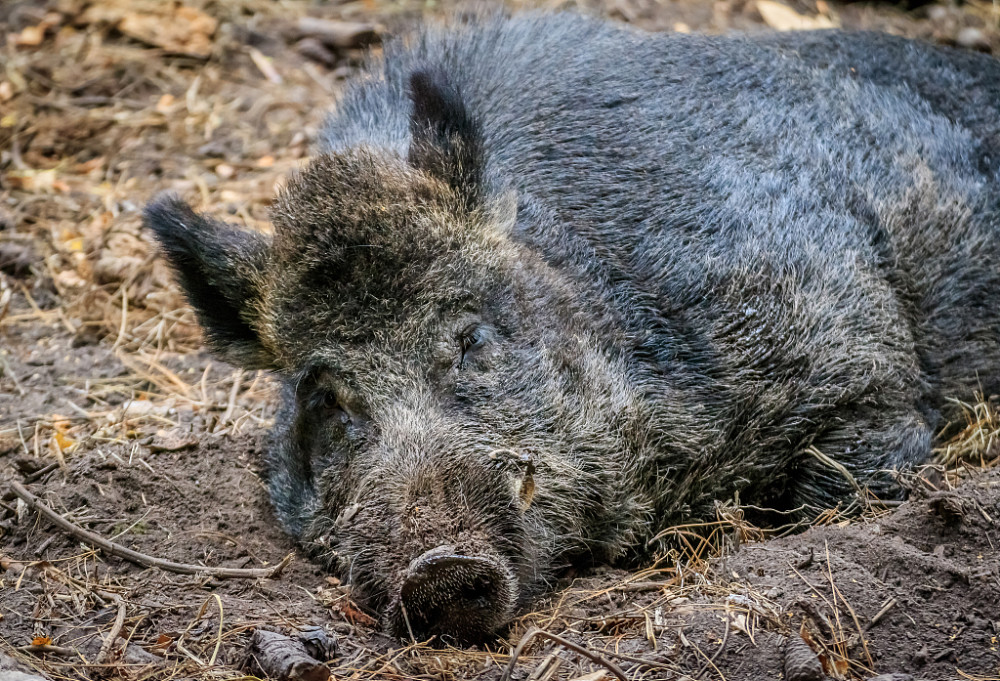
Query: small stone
[[16, 259], [937, 13], [973, 39], [320, 644]]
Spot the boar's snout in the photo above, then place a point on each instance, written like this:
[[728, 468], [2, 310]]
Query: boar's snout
[[446, 593]]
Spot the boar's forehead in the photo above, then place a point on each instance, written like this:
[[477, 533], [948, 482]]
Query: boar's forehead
[[363, 242]]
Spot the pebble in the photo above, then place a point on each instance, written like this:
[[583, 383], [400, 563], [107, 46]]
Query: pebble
[[973, 39]]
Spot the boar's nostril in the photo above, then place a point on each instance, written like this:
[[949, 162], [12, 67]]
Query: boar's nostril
[[478, 590], [447, 593]]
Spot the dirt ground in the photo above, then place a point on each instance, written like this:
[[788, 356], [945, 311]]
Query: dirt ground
[[113, 415]]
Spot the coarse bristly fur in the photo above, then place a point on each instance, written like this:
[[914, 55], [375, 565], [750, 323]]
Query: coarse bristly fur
[[553, 285]]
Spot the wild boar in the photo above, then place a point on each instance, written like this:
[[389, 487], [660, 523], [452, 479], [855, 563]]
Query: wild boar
[[551, 285]]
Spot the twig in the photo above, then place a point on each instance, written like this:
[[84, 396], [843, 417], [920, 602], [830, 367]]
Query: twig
[[6, 370], [265, 67], [632, 587], [337, 34], [803, 564], [124, 325], [55, 650], [850, 610], [233, 394], [141, 558], [406, 618], [115, 631], [41, 471], [654, 664], [837, 466], [6, 292], [710, 661], [882, 613], [536, 633]]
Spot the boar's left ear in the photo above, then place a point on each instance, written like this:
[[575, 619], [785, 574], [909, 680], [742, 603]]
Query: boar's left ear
[[445, 140], [220, 269]]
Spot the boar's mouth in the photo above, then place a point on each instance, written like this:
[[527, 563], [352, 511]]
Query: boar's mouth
[[454, 596]]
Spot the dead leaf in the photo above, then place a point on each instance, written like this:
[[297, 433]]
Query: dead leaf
[[171, 443], [185, 30], [31, 36], [41, 181], [90, 166], [265, 66], [163, 643], [783, 18], [355, 616], [598, 675], [63, 441], [165, 104], [68, 279]]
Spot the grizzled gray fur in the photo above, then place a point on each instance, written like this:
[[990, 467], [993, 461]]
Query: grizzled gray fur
[[553, 285]]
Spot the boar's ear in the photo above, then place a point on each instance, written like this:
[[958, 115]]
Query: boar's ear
[[220, 270], [445, 140]]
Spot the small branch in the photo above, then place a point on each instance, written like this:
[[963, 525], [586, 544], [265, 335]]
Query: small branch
[[538, 633], [50, 649], [141, 558], [406, 618], [109, 642], [233, 394], [886, 607], [710, 661]]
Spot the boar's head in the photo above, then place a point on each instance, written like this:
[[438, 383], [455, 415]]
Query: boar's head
[[448, 412]]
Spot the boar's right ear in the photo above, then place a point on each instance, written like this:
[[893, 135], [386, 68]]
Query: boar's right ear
[[220, 270], [445, 140]]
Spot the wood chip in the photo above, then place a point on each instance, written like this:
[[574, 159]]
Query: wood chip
[[783, 18], [337, 34], [184, 30]]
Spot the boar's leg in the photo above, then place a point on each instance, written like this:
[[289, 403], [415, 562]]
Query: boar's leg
[[871, 448]]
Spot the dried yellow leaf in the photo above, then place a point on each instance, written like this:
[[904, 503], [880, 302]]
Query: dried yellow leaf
[[783, 18], [30, 36], [63, 441]]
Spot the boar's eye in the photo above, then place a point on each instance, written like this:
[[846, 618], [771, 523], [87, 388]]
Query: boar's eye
[[328, 402], [471, 338]]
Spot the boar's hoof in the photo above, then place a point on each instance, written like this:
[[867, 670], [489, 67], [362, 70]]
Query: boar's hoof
[[452, 595]]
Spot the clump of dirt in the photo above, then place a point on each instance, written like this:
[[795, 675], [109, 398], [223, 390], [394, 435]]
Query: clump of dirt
[[117, 420], [913, 591]]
